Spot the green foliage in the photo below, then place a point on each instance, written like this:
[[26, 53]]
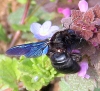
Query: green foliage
[[39, 16], [22, 1], [9, 74], [44, 15], [25, 1], [33, 2], [15, 17], [32, 19], [64, 86], [33, 72], [76, 83], [3, 35], [52, 0], [26, 27], [23, 28], [97, 89], [37, 72], [30, 38]]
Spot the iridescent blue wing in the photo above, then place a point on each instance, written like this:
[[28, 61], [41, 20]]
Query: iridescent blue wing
[[29, 50]]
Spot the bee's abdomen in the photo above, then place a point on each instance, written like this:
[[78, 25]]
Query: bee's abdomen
[[64, 63]]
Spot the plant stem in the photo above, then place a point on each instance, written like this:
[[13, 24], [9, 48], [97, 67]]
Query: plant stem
[[43, 2], [18, 33]]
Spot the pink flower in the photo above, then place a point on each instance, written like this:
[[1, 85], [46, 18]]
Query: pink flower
[[83, 5], [84, 68], [66, 12]]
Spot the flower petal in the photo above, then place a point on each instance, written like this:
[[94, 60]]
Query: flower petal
[[39, 37], [66, 12], [87, 76], [45, 29], [35, 27], [46, 25], [59, 10], [53, 30], [84, 68], [83, 5]]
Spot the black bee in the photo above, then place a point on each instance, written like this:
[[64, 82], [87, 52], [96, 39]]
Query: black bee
[[58, 48]]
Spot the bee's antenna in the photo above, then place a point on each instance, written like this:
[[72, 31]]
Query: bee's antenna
[[73, 21]]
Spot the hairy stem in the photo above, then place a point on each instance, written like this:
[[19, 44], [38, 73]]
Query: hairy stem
[[18, 33]]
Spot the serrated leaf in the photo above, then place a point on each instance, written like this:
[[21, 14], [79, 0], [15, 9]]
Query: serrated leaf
[[27, 82], [37, 72], [9, 73], [76, 83], [26, 65]]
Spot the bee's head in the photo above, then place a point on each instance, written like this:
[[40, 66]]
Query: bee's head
[[71, 32]]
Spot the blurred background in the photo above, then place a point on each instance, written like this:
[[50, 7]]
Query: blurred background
[[13, 18], [16, 16]]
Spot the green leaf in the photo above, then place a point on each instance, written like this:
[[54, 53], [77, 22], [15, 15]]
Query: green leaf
[[97, 89], [22, 1], [52, 0], [37, 72], [32, 19], [64, 86], [3, 86], [24, 28], [25, 34], [76, 83], [44, 15], [15, 17], [9, 73], [3, 35], [27, 82]]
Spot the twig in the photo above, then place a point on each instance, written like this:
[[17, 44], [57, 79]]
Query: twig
[[18, 33], [43, 2]]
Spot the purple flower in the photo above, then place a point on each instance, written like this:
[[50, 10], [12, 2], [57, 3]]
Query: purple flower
[[84, 68], [66, 12], [83, 5], [43, 31]]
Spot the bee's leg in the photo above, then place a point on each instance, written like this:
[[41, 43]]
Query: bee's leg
[[76, 57]]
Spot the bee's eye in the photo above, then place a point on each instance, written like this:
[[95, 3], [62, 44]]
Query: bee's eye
[[71, 32]]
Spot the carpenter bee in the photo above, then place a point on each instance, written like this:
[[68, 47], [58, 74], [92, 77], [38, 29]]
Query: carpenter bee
[[58, 48]]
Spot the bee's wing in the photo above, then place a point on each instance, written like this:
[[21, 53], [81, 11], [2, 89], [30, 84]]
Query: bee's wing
[[29, 50]]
